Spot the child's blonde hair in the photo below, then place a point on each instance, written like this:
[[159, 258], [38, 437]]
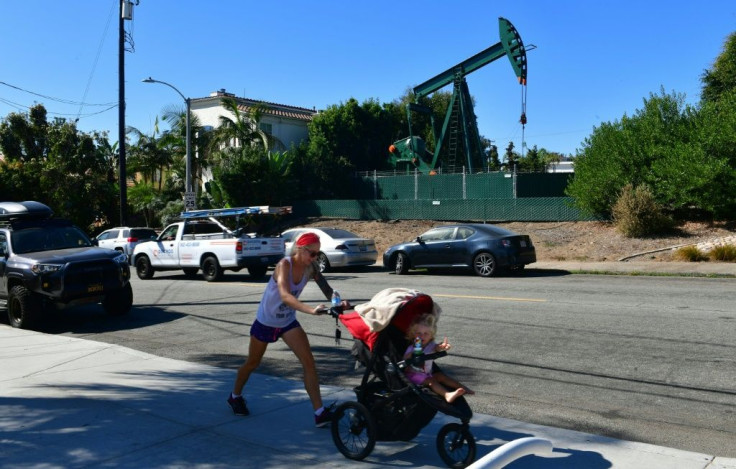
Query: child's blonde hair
[[427, 319]]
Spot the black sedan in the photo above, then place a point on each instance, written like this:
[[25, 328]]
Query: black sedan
[[484, 248]]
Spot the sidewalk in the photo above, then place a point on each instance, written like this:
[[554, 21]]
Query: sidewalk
[[72, 403], [642, 267]]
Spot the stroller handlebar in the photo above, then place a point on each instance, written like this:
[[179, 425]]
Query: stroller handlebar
[[333, 311]]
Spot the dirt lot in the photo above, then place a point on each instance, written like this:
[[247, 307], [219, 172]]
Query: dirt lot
[[556, 241]]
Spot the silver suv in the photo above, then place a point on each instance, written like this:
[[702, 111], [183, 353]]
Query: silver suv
[[124, 239]]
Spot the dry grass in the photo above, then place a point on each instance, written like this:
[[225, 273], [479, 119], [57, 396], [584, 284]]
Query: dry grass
[[725, 253], [690, 254]]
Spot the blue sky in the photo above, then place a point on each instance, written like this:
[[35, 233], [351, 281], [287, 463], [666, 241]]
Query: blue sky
[[593, 62]]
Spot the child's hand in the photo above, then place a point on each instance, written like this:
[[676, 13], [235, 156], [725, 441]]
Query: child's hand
[[444, 346]]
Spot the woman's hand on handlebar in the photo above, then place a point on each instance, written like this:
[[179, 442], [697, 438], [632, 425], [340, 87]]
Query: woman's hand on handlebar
[[333, 310]]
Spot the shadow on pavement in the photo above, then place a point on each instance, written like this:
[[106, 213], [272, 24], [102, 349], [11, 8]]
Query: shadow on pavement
[[93, 319]]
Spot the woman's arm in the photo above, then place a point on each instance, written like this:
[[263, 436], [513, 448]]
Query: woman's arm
[[327, 290], [321, 282]]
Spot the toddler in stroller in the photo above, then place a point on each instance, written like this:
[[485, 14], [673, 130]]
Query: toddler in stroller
[[390, 407], [421, 332]]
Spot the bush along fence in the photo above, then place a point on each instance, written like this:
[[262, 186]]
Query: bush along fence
[[478, 197]]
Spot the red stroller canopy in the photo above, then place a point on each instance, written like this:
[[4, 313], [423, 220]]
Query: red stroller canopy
[[405, 314]]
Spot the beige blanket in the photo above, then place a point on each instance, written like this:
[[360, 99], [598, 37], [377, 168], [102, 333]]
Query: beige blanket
[[377, 313]]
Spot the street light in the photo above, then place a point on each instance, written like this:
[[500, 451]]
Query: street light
[[189, 191]]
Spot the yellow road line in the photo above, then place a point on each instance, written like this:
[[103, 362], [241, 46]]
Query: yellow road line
[[441, 295], [500, 298]]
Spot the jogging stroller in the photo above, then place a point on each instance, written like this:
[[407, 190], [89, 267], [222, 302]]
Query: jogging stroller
[[389, 407]]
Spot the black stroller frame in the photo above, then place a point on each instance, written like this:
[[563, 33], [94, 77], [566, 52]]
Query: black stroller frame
[[389, 407]]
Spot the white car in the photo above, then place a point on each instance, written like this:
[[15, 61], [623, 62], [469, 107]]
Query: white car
[[338, 248], [124, 239]]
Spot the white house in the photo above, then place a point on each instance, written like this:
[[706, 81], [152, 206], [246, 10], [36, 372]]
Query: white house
[[567, 166], [287, 124]]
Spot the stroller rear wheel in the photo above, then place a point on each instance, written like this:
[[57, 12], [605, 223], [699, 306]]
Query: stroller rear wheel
[[456, 445], [353, 430]]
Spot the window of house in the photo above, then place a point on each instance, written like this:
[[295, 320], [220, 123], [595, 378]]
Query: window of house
[[267, 128]]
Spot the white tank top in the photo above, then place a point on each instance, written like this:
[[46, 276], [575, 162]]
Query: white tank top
[[272, 312]]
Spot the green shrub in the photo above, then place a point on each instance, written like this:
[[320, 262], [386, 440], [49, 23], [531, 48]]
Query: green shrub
[[726, 253], [636, 213], [690, 254]]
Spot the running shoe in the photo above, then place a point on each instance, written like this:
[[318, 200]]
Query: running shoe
[[238, 405]]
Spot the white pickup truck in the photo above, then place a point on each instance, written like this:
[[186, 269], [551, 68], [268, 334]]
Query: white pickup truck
[[201, 241]]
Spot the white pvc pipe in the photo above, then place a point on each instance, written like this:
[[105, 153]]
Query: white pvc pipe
[[511, 451]]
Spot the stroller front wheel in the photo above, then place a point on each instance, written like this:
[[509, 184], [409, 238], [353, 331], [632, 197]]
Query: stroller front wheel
[[456, 445], [353, 430]]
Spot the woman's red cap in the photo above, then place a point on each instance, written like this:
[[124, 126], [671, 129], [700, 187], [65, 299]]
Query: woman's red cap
[[307, 239]]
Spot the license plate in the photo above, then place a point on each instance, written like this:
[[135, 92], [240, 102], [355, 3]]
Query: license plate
[[94, 288], [264, 260], [523, 244]]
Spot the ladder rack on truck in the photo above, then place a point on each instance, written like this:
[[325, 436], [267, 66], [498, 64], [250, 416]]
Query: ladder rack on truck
[[234, 212]]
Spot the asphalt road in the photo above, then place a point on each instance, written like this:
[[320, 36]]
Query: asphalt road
[[647, 359]]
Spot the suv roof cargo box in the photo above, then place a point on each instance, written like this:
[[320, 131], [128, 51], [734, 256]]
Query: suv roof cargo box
[[24, 210]]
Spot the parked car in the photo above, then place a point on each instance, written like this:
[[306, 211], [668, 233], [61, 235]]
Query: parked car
[[48, 264], [485, 249], [338, 248], [124, 238]]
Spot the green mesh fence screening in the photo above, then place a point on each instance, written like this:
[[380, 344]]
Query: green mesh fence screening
[[496, 185], [542, 184], [526, 209], [483, 197]]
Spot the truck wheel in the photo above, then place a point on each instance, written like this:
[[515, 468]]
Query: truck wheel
[[143, 268], [23, 307], [211, 269], [258, 271], [119, 302]]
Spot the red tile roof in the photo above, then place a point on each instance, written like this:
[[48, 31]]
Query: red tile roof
[[273, 109]]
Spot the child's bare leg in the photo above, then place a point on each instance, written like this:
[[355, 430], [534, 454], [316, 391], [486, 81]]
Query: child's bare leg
[[438, 388], [451, 383]]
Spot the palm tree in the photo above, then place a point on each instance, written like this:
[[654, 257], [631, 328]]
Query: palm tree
[[241, 130], [200, 141], [151, 155]]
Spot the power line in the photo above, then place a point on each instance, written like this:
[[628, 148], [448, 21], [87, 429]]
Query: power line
[[22, 107], [58, 100], [97, 57]]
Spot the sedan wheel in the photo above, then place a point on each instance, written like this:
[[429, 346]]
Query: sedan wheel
[[401, 265], [484, 264], [323, 263]]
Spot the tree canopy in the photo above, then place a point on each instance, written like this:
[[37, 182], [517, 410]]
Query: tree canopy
[[56, 163]]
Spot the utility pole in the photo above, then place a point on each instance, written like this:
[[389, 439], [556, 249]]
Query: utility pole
[[126, 13]]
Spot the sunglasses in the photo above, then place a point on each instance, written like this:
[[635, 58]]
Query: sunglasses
[[312, 254]]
